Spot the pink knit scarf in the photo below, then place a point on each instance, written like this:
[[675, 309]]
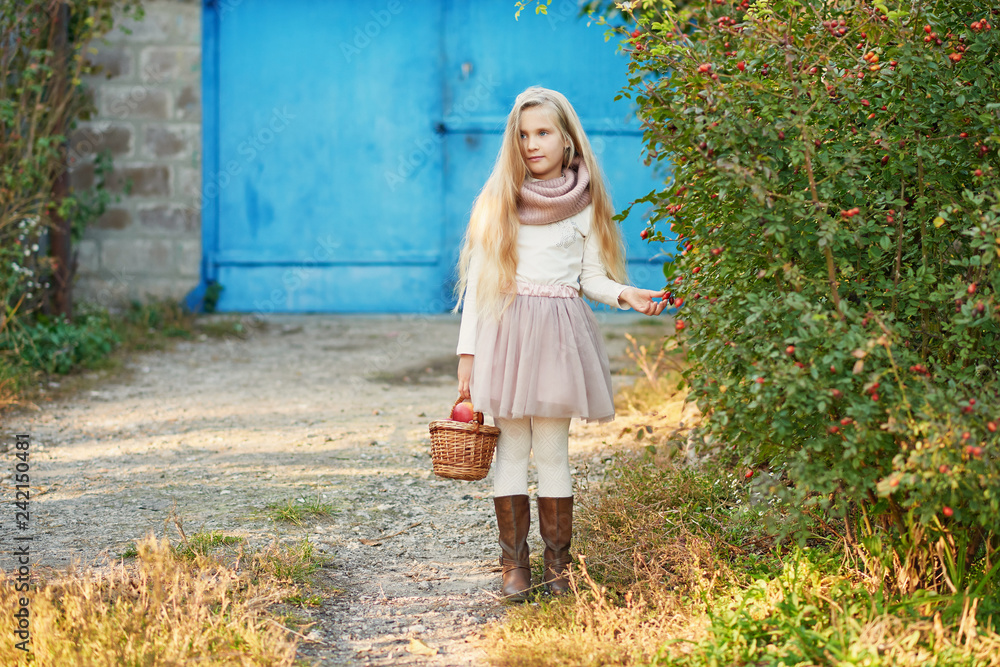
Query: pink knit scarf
[[556, 199]]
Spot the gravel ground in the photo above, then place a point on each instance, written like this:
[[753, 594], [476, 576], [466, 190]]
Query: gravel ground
[[327, 408]]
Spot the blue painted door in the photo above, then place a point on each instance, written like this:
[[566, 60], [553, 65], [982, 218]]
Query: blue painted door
[[344, 146]]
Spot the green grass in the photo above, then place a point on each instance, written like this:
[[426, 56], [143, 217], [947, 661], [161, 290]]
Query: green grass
[[681, 567], [202, 543], [295, 562], [298, 510]]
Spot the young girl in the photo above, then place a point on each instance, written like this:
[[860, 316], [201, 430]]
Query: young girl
[[531, 353]]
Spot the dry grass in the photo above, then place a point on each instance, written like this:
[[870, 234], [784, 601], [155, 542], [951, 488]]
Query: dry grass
[[166, 608], [677, 567]]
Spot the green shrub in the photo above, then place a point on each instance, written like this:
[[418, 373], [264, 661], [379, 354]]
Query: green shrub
[[836, 202], [55, 345], [41, 99]]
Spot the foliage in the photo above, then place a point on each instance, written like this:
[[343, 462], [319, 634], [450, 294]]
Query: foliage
[[41, 97], [675, 567], [812, 614], [52, 345], [55, 345], [836, 205], [170, 607]]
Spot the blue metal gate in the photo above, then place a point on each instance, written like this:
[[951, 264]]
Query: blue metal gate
[[344, 146]]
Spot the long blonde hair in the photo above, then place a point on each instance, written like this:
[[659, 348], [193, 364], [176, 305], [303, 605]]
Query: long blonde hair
[[494, 222]]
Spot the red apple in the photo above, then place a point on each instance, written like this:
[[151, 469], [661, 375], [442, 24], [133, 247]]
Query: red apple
[[463, 412]]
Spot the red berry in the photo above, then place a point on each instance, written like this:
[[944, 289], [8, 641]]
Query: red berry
[[644, 234], [972, 288], [748, 474], [885, 160], [978, 172], [696, 269], [966, 435], [760, 380], [635, 33], [790, 349], [706, 67], [679, 302], [679, 325], [865, 103], [991, 427], [741, 65], [947, 511], [836, 394], [927, 29], [894, 482], [833, 430], [716, 251], [943, 469]]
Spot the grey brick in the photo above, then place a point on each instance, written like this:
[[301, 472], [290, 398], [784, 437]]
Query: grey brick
[[171, 141], [189, 258], [113, 218], [169, 218], [115, 61], [88, 256], [187, 105], [138, 101], [87, 141], [146, 180], [167, 64], [138, 256]]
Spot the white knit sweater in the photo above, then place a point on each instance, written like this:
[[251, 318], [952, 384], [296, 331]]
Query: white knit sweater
[[559, 253]]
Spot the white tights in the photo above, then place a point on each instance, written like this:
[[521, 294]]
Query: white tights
[[549, 439]]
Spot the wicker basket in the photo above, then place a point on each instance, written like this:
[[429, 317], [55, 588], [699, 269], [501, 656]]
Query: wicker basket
[[461, 450]]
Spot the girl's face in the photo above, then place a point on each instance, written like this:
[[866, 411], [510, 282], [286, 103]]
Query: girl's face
[[542, 144]]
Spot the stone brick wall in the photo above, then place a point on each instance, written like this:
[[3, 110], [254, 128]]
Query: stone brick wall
[[148, 101]]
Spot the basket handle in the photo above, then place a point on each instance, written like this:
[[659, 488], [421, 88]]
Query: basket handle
[[479, 418]]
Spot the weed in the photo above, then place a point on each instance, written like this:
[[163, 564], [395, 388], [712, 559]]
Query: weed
[[201, 543], [298, 510], [283, 562], [161, 609]]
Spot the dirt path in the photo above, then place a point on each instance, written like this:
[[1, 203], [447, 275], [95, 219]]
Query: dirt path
[[324, 408]]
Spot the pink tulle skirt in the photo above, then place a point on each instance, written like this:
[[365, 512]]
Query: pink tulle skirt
[[544, 358]]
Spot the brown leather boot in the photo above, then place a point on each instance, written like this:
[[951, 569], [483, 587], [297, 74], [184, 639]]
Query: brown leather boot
[[555, 520], [513, 521]]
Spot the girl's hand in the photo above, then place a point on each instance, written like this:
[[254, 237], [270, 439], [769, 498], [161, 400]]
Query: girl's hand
[[464, 374], [642, 300]]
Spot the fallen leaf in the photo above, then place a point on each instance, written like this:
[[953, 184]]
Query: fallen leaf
[[417, 647], [369, 543]]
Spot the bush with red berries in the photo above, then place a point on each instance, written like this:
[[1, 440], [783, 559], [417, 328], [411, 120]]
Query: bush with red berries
[[835, 205]]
